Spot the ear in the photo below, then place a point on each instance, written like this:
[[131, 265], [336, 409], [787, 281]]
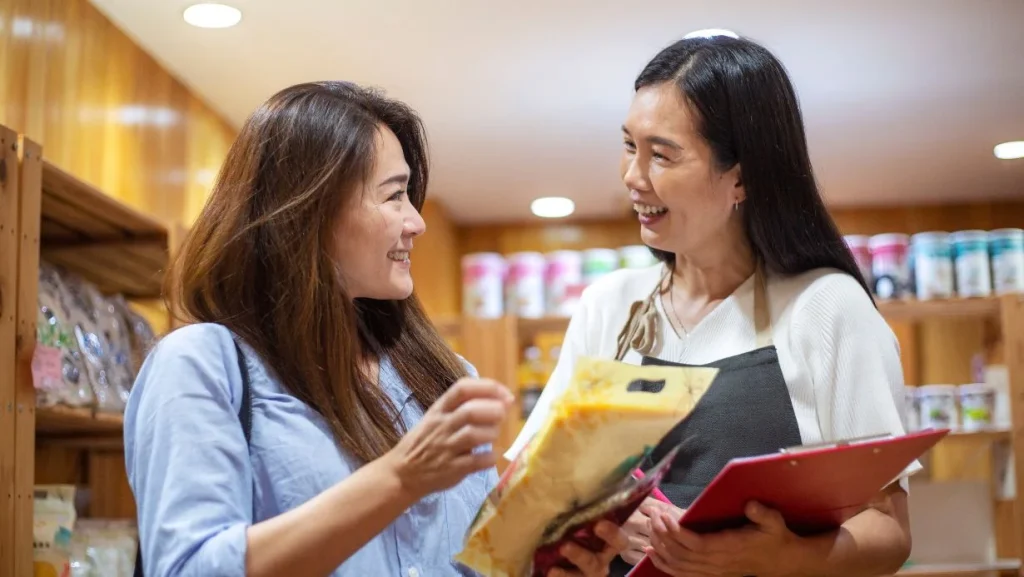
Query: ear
[[734, 179]]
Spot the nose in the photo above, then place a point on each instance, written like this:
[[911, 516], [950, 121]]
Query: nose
[[634, 176], [414, 225]]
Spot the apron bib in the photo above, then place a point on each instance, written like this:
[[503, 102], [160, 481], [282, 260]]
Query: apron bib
[[746, 411]]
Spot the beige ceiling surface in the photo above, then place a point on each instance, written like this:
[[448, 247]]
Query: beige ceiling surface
[[903, 99]]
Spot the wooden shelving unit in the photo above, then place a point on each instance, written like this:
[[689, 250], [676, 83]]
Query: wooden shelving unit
[[49, 213]]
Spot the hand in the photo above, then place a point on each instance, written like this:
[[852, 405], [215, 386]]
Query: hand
[[439, 451], [638, 528], [588, 563], [761, 548]]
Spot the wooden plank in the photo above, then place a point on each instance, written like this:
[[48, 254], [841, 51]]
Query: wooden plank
[[9, 224], [28, 304], [67, 420], [950, 308], [89, 207], [999, 567], [1013, 341], [111, 495]]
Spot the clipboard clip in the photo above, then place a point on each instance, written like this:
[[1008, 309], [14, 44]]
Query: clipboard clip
[[835, 444]]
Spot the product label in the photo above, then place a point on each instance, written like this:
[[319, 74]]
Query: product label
[[47, 363]]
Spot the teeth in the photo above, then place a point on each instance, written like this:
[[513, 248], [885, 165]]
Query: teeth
[[399, 255], [648, 209]]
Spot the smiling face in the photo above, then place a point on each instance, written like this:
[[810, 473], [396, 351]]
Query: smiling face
[[375, 232], [683, 202]]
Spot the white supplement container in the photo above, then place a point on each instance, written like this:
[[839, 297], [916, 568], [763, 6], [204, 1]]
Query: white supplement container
[[483, 276], [911, 410], [524, 284], [938, 406], [889, 270], [598, 262], [970, 249], [858, 244], [636, 256], [563, 282], [931, 263], [1006, 248], [977, 406]]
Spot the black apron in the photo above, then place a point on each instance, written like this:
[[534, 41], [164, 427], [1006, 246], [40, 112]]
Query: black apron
[[746, 411]]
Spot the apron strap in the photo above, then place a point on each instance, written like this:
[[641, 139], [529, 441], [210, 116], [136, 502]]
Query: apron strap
[[762, 315]]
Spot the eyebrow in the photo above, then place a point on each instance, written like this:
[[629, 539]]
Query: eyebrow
[[400, 178], [657, 140]]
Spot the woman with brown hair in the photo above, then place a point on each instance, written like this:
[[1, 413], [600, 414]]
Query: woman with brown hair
[[310, 421]]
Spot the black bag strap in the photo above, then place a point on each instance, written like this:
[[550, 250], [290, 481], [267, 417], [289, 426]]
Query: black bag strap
[[244, 416]]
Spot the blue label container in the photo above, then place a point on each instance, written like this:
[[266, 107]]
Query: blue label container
[[1006, 250], [971, 262]]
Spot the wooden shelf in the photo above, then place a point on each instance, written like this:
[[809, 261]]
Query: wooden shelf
[[72, 421], [528, 328], [999, 567], [912, 310], [93, 235]]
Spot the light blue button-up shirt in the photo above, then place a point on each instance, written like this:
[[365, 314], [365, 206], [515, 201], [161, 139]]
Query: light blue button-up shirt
[[198, 486]]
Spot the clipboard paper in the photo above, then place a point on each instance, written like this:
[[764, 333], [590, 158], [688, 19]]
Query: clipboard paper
[[578, 467]]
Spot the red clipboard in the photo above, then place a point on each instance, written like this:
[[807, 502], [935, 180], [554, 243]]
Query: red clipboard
[[815, 487]]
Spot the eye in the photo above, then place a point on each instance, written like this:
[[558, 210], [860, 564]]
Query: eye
[[629, 145], [396, 196], [659, 156]]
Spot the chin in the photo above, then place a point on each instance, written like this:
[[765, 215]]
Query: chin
[[653, 240]]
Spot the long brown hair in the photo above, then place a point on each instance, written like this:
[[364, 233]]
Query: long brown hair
[[258, 260]]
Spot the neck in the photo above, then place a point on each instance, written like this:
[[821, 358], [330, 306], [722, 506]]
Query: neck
[[714, 273]]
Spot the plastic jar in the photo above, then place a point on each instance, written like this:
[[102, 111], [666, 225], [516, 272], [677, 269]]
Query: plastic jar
[[911, 410], [598, 262], [524, 284], [931, 263], [938, 406], [636, 256], [889, 269], [563, 279], [858, 245], [483, 276], [977, 406], [1006, 249], [970, 249]]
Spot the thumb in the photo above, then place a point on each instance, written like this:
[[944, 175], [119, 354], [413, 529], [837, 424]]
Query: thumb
[[768, 519]]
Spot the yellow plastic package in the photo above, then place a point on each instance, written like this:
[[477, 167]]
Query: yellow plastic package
[[609, 417]]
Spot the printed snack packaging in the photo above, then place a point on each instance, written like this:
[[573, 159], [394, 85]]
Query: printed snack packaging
[[608, 419]]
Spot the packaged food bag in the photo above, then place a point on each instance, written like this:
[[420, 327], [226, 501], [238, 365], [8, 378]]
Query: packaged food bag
[[610, 417]]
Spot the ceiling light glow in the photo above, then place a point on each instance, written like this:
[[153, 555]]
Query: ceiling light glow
[[1009, 150], [552, 207], [711, 32], [211, 15]]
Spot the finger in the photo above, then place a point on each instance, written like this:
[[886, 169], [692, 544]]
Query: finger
[[685, 567], [632, 555], [684, 537], [469, 437], [768, 519], [613, 535], [466, 389], [671, 551], [472, 462], [478, 412], [584, 560]]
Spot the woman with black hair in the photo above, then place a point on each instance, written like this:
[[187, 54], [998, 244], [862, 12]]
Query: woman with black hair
[[754, 279]]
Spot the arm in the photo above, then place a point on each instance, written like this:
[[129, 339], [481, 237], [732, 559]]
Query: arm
[[188, 465], [854, 364]]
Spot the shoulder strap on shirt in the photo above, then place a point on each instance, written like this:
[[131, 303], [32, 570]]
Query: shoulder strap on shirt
[[244, 416]]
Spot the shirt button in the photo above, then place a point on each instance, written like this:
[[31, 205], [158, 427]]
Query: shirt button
[[413, 572]]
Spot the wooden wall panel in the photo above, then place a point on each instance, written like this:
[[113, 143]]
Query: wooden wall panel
[[104, 110], [435, 264]]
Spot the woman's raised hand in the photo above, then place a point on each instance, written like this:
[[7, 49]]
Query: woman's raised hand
[[443, 447]]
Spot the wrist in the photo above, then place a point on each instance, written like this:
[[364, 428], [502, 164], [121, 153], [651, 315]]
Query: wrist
[[389, 474], [809, 556]]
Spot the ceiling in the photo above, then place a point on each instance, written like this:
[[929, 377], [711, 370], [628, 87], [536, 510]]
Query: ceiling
[[903, 101]]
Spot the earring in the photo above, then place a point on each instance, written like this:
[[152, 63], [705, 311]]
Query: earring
[[736, 206]]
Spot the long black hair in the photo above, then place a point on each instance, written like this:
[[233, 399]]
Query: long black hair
[[747, 111]]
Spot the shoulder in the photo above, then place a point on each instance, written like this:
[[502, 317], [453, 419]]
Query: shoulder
[[194, 357], [823, 298]]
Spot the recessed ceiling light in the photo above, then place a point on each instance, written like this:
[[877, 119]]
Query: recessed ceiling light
[[710, 32], [211, 15], [552, 207], [1009, 150]]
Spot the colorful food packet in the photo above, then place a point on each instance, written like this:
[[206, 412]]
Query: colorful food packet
[[610, 417]]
